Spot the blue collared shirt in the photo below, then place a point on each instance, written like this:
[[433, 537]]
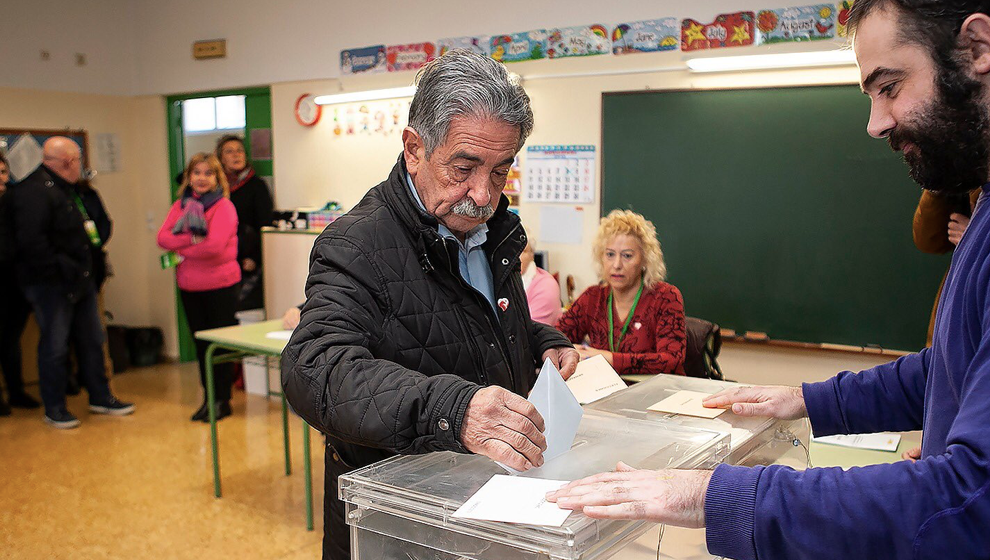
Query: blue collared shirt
[[473, 264]]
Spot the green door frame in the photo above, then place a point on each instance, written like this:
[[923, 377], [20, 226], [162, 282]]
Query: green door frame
[[177, 162]]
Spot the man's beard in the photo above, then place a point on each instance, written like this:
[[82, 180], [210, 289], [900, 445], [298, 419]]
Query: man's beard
[[469, 209], [949, 136]]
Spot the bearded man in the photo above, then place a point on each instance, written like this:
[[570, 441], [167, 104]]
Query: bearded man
[[925, 65]]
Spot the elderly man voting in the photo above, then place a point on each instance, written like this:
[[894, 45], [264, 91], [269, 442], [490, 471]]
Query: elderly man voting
[[925, 66], [416, 335]]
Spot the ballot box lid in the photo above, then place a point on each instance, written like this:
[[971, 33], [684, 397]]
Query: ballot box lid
[[746, 433], [413, 497]]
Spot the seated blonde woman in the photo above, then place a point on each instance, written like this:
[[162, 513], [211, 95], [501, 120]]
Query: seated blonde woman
[[633, 318]]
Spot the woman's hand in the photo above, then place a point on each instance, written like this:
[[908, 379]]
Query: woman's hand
[[585, 352]]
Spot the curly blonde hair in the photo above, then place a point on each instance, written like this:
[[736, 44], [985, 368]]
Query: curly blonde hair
[[627, 222]]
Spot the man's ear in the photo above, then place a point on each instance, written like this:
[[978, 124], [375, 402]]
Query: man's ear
[[975, 35], [413, 150]]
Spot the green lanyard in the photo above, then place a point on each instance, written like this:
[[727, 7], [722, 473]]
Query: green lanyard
[[89, 225], [612, 344]]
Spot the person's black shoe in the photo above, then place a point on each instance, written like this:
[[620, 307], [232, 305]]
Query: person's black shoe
[[23, 400], [4, 407], [223, 411], [61, 419], [72, 387], [113, 407], [201, 414]]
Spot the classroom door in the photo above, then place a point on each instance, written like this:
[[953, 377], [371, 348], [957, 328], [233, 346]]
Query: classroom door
[[195, 122]]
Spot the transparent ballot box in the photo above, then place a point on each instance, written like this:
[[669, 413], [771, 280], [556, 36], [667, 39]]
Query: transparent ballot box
[[754, 440], [401, 508]]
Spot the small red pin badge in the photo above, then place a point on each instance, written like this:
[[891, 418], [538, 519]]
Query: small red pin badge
[[503, 303]]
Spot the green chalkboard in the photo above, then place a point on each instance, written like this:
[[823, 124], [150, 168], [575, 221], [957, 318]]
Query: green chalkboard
[[776, 211]]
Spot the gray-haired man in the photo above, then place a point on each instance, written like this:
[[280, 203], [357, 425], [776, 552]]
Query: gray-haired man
[[416, 335]]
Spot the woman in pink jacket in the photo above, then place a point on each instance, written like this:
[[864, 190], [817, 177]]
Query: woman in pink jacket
[[542, 291], [202, 228]]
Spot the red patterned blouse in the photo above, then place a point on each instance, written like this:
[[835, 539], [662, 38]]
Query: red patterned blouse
[[655, 341]]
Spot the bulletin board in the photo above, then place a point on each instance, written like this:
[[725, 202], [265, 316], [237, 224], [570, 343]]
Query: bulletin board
[[10, 136]]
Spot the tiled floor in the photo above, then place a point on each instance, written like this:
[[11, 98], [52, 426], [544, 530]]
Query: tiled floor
[[141, 486]]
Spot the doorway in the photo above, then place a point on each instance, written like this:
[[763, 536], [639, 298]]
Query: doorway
[[195, 122]]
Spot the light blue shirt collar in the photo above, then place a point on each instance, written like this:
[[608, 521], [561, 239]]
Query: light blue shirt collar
[[474, 238]]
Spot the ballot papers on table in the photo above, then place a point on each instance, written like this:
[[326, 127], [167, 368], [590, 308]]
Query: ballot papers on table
[[594, 379], [755, 440], [279, 335], [883, 441], [688, 403], [403, 507], [514, 499]]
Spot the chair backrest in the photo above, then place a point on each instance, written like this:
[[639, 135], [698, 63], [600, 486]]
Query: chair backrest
[[704, 342]]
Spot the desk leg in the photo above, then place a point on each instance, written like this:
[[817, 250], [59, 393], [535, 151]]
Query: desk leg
[[210, 404], [285, 435], [307, 469]]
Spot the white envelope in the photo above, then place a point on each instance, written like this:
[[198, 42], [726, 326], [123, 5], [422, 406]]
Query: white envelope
[[560, 410], [594, 379]]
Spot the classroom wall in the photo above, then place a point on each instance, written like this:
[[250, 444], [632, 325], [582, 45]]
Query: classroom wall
[[103, 30], [315, 165]]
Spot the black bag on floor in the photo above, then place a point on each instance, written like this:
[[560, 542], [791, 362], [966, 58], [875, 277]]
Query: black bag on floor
[[144, 345], [117, 342]]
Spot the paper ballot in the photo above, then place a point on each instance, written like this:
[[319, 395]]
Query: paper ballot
[[883, 441], [561, 412], [687, 403], [279, 335], [594, 379], [515, 500]]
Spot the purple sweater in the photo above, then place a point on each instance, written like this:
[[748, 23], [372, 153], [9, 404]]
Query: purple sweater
[[938, 507]]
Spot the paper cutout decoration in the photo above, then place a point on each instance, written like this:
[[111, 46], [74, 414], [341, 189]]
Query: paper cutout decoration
[[843, 17], [518, 47], [650, 35], [728, 30], [479, 45], [366, 60], [805, 23], [582, 40], [409, 57]]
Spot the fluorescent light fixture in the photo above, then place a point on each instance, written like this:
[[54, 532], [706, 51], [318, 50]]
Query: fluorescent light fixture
[[372, 95], [839, 57]]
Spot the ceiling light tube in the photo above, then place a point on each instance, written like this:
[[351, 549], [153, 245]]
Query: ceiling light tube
[[839, 57], [372, 95]]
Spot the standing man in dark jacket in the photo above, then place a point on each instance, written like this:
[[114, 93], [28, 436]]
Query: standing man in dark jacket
[[416, 335], [54, 233]]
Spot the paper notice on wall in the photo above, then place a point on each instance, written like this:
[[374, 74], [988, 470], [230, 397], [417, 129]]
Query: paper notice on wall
[[562, 224], [107, 152], [24, 157]]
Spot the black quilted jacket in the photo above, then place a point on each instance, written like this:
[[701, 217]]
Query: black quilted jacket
[[393, 343]]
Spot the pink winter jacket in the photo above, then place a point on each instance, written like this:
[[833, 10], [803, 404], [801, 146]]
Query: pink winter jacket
[[210, 264]]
